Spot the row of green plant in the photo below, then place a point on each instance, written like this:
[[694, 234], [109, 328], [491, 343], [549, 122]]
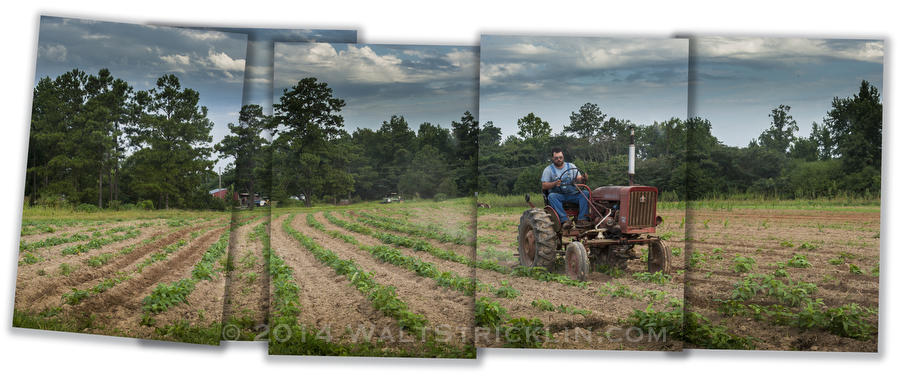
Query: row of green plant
[[431, 231], [395, 257], [165, 296], [541, 274], [690, 327], [384, 298], [546, 305], [796, 307], [517, 332], [288, 337], [97, 243], [417, 244]]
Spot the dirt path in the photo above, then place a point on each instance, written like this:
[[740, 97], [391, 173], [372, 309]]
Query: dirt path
[[831, 241], [246, 286], [36, 292], [119, 309], [328, 300], [444, 308]]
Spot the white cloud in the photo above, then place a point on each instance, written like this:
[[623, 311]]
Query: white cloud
[[462, 58], [176, 59], [95, 36], [788, 49], [490, 73], [203, 35], [528, 49], [53, 52], [224, 62]]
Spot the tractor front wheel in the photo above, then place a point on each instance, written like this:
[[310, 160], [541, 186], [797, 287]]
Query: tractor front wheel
[[659, 257], [537, 241], [577, 263]]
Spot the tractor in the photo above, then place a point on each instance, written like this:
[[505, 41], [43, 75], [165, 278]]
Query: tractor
[[621, 217]]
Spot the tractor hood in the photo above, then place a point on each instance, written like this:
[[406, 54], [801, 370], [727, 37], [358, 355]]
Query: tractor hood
[[618, 193]]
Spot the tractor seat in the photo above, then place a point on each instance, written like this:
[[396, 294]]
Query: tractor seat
[[566, 206]]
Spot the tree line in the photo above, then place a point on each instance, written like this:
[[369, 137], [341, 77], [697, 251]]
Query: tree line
[[96, 140], [840, 157]]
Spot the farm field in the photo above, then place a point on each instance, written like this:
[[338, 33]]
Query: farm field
[[612, 310], [342, 284], [142, 274], [789, 277]]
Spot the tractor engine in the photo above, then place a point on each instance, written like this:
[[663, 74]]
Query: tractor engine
[[627, 210]]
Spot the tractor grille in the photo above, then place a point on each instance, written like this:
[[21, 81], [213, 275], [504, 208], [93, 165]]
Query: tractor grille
[[641, 214]]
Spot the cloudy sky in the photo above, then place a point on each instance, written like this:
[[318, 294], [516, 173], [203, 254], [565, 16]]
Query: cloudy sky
[[421, 83], [210, 62], [259, 73], [258, 76], [638, 79], [740, 80]]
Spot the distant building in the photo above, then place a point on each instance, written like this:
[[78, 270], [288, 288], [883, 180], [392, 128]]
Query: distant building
[[221, 193]]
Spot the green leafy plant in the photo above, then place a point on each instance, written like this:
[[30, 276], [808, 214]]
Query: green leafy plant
[[743, 264], [506, 291], [544, 305], [489, 313], [798, 261], [525, 333]]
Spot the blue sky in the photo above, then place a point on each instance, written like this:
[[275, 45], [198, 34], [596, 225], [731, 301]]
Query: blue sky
[[638, 79], [436, 84], [738, 81]]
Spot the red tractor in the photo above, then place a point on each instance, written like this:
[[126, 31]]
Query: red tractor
[[622, 217]]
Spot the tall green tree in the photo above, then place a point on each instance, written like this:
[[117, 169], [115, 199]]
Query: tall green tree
[[782, 130], [532, 126], [245, 144], [173, 137], [306, 118], [586, 123]]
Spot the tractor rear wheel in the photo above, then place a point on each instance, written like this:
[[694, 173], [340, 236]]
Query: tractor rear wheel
[[537, 241], [659, 257], [577, 263]]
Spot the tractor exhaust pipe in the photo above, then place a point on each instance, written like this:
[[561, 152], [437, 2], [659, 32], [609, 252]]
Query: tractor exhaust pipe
[[631, 159]]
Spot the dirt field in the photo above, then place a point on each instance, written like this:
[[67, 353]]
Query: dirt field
[[605, 302], [155, 278], [810, 283], [342, 295]]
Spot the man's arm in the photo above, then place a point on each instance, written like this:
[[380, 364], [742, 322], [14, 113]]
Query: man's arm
[[549, 185]]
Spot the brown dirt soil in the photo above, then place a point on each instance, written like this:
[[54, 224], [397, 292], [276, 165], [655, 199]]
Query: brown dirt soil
[[466, 251], [119, 308], [569, 331], [244, 298], [36, 292], [328, 301], [771, 237], [82, 229], [444, 308], [453, 219], [602, 329]]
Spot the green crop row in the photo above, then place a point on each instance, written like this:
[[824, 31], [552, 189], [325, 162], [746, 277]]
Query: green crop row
[[413, 229], [99, 242], [546, 305], [540, 273], [383, 297], [53, 241], [421, 245], [393, 256], [690, 327]]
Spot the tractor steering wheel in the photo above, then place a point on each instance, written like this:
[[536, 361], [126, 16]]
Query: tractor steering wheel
[[571, 178]]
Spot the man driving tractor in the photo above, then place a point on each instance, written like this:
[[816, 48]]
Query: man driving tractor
[[559, 179]]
